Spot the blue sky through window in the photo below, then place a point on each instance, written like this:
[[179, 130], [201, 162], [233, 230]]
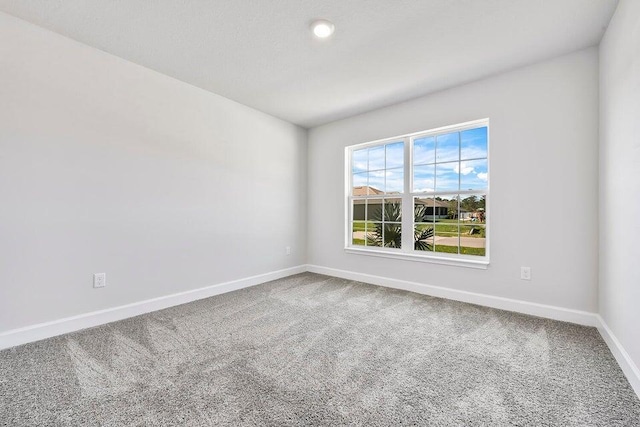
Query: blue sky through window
[[380, 167], [448, 147], [448, 162], [424, 150], [451, 162], [473, 144]]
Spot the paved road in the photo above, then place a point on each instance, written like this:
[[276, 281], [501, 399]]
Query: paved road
[[467, 242]]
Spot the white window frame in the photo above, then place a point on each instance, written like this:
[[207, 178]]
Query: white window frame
[[407, 251]]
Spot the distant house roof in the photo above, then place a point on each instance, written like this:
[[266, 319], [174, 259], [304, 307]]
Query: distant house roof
[[364, 190], [434, 202]]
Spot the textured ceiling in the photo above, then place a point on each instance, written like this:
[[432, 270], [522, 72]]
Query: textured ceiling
[[261, 52]]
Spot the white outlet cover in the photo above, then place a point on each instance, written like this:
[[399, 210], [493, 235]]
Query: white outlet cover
[[525, 273], [100, 280]]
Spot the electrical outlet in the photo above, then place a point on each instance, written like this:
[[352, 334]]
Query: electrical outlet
[[100, 280], [287, 250], [525, 273]]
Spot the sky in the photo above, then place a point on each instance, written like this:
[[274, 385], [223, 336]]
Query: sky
[[438, 163]]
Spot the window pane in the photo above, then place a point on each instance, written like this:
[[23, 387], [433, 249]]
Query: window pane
[[358, 233], [374, 234], [374, 210], [450, 205], [473, 175], [423, 209], [392, 235], [394, 180], [447, 176], [446, 224], [474, 245], [358, 210], [473, 225], [392, 210], [359, 182], [482, 209], [359, 160], [376, 182], [376, 158], [473, 239], [423, 227], [471, 204], [424, 150], [423, 237], [447, 147], [395, 155], [424, 178], [473, 143], [474, 208]]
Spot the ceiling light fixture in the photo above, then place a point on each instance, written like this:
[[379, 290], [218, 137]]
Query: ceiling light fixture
[[322, 28]]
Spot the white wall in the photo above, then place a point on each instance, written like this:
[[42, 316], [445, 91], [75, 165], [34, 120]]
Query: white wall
[[106, 166], [620, 177], [544, 182]]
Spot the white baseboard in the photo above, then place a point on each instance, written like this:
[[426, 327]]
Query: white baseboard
[[41, 331], [534, 309], [627, 365]]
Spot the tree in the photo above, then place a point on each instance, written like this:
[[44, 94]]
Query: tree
[[470, 204], [452, 209], [389, 233]]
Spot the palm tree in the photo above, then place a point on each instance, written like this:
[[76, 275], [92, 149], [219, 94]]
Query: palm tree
[[389, 233]]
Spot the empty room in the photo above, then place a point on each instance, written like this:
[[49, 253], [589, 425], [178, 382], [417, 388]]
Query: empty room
[[295, 212]]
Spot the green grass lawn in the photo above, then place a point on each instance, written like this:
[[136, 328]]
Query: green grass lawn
[[463, 250], [359, 225], [441, 248], [472, 251], [451, 229]]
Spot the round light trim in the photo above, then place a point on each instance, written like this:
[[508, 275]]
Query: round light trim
[[322, 28]]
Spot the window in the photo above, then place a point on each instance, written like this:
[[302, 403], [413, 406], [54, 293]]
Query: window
[[423, 195]]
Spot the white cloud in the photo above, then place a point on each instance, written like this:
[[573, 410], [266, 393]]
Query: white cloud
[[360, 166], [483, 176], [464, 169]]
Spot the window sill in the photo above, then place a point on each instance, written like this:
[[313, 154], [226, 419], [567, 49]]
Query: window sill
[[434, 259]]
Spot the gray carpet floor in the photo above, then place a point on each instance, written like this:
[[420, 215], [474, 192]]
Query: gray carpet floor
[[316, 350]]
